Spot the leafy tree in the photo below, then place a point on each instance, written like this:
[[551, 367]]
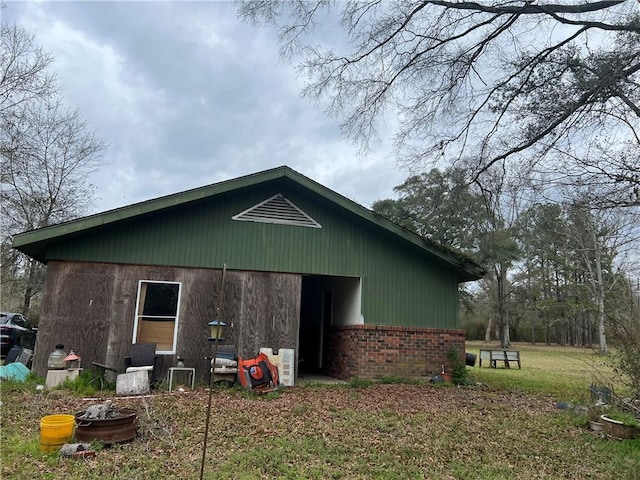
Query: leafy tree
[[47, 153], [573, 259], [552, 85], [438, 205], [598, 240], [624, 326], [442, 207], [500, 251], [542, 236]]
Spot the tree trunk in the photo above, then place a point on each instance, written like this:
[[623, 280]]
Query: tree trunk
[[600, 294], [503, 317], [487, 332], [28, 291], [531, 302], [533, 332]]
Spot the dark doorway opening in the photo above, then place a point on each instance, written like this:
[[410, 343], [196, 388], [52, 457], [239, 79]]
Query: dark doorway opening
[[326, 301]]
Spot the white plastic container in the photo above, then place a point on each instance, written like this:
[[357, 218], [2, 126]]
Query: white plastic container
[[56, 358]]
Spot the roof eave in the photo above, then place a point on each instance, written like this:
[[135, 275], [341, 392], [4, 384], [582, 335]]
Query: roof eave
[[33, 243], [51, 232], [467, 269]]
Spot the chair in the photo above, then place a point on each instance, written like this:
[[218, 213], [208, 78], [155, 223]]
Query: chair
[[17, 354], [13, 354], [142, 358], [226, 351], [25, 357], [225, 365]]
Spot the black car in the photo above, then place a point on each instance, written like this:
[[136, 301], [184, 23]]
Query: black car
[[15, 330]]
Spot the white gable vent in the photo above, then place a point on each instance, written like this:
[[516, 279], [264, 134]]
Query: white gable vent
[[277, 209]]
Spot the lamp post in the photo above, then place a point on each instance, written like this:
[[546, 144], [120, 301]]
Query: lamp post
[[216, 328]]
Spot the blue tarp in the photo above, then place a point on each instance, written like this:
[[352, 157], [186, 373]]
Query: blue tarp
[[15, 371]]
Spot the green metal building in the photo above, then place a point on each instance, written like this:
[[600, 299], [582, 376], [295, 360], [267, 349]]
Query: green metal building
[[304, 268]]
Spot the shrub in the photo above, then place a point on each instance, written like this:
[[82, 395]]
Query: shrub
[[626, 362], [625, 333], [81, 385], [459, 373]]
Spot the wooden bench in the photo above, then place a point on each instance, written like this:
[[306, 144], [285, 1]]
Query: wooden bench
[[495, 355]]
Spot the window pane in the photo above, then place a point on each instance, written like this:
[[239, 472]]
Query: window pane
[[160, 333], [161, 300], [20, 321], [157, 315]]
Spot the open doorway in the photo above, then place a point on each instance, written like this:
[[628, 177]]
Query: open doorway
[[326, 301]]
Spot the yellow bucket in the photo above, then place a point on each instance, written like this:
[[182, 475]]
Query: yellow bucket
[[55, 431]]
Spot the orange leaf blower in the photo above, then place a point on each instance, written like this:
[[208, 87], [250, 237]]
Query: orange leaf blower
[[258, 374]]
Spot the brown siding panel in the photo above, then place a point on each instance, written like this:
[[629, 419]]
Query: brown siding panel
[[90, 307]]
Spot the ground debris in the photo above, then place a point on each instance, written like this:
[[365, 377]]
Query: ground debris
[[70, 449], [101, 411]]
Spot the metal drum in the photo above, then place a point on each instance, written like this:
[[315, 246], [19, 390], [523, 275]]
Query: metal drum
[[118, 429]]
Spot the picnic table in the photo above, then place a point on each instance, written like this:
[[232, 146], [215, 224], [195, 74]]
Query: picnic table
[[495, 355]]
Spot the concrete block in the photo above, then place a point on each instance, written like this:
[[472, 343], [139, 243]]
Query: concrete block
[[134, 383], [56, 377]]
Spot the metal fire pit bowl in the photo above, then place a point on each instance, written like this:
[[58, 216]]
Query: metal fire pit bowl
[[118, 429]]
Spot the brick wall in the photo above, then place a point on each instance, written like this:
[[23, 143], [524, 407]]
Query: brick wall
[[375, 351]]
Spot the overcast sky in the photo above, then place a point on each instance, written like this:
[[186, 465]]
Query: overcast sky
[[185, 94]]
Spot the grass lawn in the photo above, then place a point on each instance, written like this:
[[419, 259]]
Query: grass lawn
[[563, 372], [503, 429]]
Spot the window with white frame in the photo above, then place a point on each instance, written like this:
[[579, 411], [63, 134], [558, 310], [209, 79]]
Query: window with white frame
[[157, 315]]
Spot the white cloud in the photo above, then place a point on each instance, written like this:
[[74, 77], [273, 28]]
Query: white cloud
[[186, 94]]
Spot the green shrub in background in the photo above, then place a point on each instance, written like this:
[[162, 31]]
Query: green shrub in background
[[459, 373], [81, 385], [626, 362]]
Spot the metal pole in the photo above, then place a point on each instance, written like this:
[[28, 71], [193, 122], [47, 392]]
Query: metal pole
[[213, 372]]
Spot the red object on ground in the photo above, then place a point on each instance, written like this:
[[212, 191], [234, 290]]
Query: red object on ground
[[258, 374]]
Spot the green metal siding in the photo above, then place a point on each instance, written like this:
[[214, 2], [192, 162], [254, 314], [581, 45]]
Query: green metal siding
[[401, 283]]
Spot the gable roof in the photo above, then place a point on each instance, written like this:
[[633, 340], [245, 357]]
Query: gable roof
[[34, 242]]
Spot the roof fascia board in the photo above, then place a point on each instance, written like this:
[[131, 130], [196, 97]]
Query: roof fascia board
[[142, 208], [469, 270]]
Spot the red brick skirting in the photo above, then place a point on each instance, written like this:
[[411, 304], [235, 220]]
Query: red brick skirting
[[376, 351]]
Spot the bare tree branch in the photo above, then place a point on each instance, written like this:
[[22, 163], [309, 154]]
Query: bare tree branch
[[495, 82], [47, 153]]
